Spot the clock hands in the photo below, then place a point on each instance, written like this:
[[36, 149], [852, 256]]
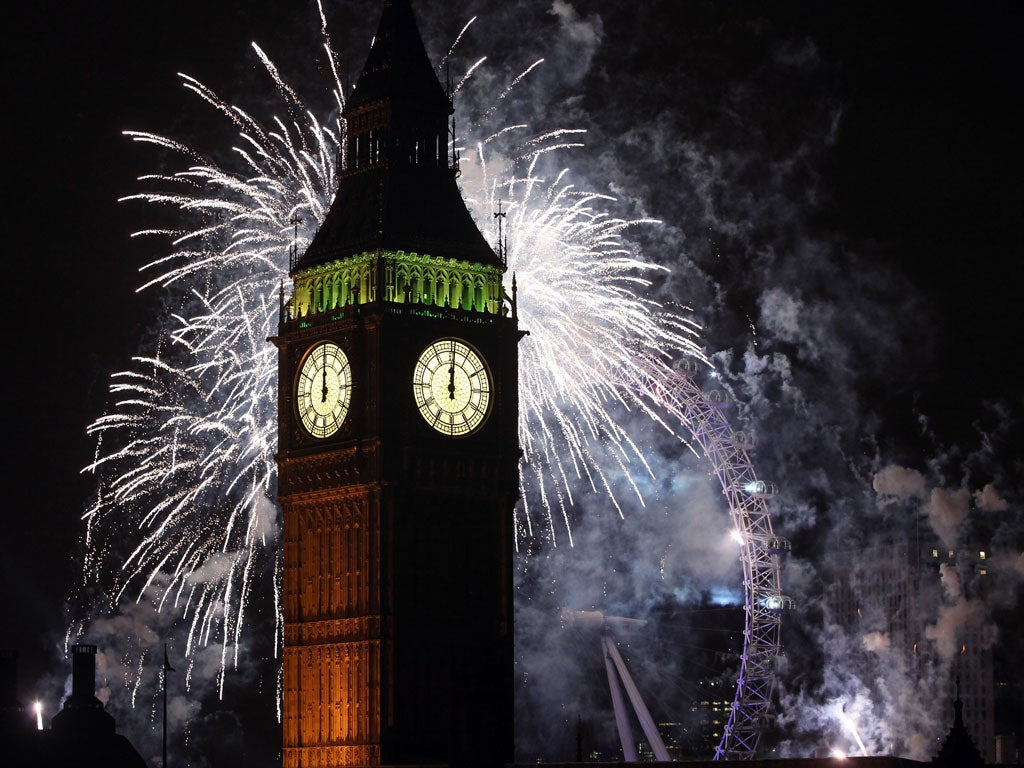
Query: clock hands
[[325, 372], [468, 385], [323, 390], [451, 375]]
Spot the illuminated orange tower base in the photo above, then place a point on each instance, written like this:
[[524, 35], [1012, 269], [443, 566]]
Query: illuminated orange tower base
[[334, 631]]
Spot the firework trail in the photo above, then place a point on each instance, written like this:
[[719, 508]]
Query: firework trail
[[184, 458]]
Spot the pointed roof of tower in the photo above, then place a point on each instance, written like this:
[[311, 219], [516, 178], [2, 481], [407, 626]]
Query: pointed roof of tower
[[397, 191], [397, 67]]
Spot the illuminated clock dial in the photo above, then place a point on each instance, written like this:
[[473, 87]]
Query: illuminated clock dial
[[323, 389], [452, 387]]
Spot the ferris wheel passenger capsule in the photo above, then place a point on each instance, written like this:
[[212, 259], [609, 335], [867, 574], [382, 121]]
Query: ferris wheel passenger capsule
[[716, 397], [687, 366], [745, 440], [778, 603], [760, 489], [777, 545]]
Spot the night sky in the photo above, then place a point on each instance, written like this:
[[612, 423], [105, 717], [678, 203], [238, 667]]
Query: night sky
[[838, 185]]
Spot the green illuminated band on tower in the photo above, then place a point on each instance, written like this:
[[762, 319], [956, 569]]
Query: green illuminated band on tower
[[396, 277]]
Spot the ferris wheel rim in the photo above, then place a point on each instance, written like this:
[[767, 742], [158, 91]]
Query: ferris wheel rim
[[703, 417]]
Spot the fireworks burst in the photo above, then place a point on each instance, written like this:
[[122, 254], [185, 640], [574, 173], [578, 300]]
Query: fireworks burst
[[184, 458], [583, 303]]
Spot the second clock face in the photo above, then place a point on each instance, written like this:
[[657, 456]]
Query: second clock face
[[452, 387], [323, 389]]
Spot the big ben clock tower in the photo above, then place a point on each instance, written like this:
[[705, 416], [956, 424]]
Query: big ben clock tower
[[398, 448]]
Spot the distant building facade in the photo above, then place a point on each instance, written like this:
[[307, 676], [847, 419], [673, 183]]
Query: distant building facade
[[887, 599]]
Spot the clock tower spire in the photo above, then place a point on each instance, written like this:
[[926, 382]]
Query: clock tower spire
[[398, 447]]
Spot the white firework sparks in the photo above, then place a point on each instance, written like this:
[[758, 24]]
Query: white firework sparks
[[583, 303], [184, 458]]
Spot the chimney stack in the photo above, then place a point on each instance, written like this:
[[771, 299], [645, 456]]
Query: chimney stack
[[83, 675]]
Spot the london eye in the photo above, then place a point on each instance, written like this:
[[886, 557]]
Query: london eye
[[702, 415]]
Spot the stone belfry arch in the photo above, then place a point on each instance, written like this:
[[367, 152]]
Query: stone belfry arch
[[398, 447]]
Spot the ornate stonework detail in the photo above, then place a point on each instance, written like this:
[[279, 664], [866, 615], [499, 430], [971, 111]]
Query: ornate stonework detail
[[469, 471], [329, 757], [333, 632], [396, 277], [343, 468]]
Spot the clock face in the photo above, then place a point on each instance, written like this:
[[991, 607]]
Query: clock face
[[452, 387], [323, 389]]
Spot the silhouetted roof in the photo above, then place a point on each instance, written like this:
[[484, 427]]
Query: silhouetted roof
[[959, 749]]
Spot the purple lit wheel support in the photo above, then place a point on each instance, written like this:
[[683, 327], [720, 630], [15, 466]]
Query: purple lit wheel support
[[705, 421]]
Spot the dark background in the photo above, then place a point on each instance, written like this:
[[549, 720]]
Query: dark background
[[923, 170]]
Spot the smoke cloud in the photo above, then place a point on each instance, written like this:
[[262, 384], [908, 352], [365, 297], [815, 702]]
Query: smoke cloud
[[899, 484], [947, 511]]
